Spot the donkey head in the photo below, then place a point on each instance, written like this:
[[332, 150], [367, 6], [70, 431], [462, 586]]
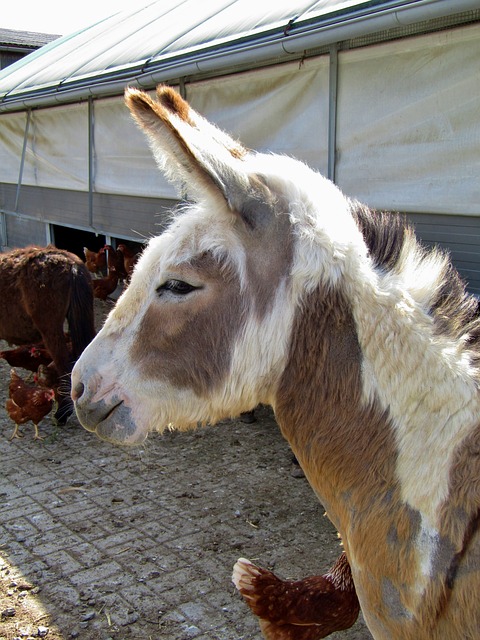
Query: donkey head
[[203, 330]]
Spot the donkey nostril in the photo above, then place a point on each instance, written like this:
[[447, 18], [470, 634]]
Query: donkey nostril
[[77, 391]]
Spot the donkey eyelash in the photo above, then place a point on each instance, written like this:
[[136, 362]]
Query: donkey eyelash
[[177, 287]]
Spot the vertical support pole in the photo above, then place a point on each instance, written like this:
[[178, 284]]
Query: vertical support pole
[[183, 88], [22, 161], [332, 112], [183, 92], [91, 159], [48, 234], [3, 231]]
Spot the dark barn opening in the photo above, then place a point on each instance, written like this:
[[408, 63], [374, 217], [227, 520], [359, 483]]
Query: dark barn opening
[[75, 240], [135, 247]]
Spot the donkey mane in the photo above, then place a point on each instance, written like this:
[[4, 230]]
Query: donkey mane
[[384, 233], [455, 312]]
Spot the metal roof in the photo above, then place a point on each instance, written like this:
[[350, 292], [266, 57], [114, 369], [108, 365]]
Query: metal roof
[[11, 38], [165, 40]]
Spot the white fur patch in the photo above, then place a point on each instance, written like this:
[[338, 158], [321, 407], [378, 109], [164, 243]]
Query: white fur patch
[[425, 381], [260, 353]]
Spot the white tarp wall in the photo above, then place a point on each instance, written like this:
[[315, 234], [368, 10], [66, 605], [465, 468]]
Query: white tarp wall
[[408, 133], [56, 154], [12, 131], [281, 109], [408, 123], [123, 162]]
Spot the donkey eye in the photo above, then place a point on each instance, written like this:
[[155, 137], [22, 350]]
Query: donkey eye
[[178, 287]]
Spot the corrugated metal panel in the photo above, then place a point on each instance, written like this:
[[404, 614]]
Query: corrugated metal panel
[[55, 205], [21, 232], [7, 196], [136, 218], [131, 217], [460, 235]]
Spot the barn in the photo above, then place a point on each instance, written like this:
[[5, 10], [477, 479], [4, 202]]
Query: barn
[[381, 96]]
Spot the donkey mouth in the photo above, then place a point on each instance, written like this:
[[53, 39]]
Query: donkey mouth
[[114, 424]]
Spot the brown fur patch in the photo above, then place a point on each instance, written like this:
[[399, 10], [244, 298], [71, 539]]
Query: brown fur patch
[[173, 102], [348, 454], [460, 518], [238, 152], [207, 324], [325, 351], [36, 286], [384, 233], [269, 249], [464, 487]]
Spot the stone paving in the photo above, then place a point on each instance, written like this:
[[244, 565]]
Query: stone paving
[[140, 543]]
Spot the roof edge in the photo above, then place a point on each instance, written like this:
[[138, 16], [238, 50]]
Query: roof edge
[[240, 54]]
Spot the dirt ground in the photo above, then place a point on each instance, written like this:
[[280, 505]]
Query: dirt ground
[[104, 543]]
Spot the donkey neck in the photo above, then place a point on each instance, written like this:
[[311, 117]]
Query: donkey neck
[[357, 453], [367, 357], [425, 380]]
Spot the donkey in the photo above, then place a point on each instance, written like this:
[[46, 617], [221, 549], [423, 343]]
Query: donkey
[[273, 287], [40, 289]]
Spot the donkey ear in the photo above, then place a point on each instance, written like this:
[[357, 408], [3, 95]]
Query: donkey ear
[[188, 147]]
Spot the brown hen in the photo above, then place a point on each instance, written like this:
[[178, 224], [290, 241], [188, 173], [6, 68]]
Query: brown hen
[[103, 287], [27, 356], [95, 261], [129, 258], [27, 402], [306, 609]]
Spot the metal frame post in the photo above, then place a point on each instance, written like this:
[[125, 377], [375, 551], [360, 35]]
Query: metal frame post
[[332, 112], [22, 160]]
